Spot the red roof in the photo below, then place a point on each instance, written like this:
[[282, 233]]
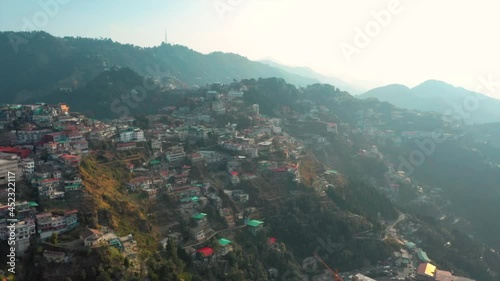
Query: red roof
[[206, 251], [234, 173], [442, 275], [126, 144], [271, 240], [280, 170], [43, 215], [95, 231], [69, 156], [50, 180], [15, 150], [71, 212]]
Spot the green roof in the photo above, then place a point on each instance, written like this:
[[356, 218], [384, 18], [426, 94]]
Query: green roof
[[199, 216], [423, 256], [331, 172], [155, 162], [410, 245], [187, 199], [33, 204], [254, 223], [224, 242]]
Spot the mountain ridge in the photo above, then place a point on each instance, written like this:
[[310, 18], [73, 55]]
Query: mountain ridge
[[309, 72], [441, 97], [46, 63]]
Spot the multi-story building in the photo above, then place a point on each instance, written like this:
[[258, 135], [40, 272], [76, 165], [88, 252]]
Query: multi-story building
[[8, 163], [30, 136], [212, 95], [235, 94], [175, 153], [126, 136], [252, 152], [22, 237], [71, 218], [255, 109], [198, 233], [138, 135], [28, 166], [44, 221], [58, 222], [212, 156], [132, 134], [156, 144]]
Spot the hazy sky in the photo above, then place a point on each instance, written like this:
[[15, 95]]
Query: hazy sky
[[454, 41]]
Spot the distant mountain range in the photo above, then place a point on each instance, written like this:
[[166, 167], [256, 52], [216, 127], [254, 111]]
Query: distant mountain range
[[43, 64], [308, 72], [441, 97]]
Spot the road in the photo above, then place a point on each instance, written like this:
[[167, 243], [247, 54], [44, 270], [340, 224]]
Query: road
[[390, 228]]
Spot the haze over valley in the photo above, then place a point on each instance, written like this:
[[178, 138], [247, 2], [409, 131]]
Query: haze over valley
[[249, 141]]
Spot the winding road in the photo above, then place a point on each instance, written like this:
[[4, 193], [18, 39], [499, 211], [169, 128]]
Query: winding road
[[388, 229]]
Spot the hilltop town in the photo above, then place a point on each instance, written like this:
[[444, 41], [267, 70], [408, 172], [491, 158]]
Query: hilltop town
[[206, 176]]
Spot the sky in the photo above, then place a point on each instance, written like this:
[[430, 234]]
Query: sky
[[367, 43]]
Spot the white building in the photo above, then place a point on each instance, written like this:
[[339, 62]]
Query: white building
[[211, 95], [132, 135], [22, 237], [235, 94], [255, 109], [252, 152], [156, 144], [211, 156], [28, 166], [126, 136], [138, 135], [175, 153]]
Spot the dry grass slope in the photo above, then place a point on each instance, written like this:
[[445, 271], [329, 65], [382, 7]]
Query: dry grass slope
[[114, 207]]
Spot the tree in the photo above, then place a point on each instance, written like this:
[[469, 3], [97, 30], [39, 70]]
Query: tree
[[54, 239]]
